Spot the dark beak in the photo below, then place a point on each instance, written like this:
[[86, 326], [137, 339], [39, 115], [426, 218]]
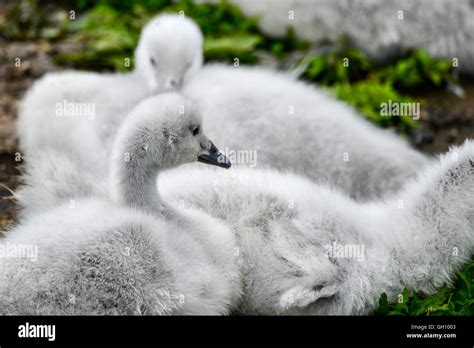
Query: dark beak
[[215, 157]]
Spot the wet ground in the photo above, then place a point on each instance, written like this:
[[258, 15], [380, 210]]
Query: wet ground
[[446, 118]]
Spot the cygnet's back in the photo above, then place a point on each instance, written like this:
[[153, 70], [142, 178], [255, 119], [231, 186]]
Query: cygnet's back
[[308, 249], [293, 126]]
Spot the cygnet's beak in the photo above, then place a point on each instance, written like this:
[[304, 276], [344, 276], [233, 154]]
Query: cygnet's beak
[[214, 157]]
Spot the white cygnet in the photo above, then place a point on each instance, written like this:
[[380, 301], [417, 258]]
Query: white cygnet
[[82, 110], [268, 119], [132, 253], [280, 122], [309, 249]]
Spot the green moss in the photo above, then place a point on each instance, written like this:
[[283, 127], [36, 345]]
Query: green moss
[[109, 37], [368, 97], [216, 20], [417, 69], [456, 300], [337, 66], [283, 46], [227, 48], [111, 29], [352, 77]]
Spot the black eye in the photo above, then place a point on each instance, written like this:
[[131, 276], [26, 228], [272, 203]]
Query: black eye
[[152, 61], [196, 131]]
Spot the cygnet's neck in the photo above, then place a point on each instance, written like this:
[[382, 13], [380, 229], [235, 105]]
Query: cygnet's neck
[[134, 184], [140, 73], [142, 81]]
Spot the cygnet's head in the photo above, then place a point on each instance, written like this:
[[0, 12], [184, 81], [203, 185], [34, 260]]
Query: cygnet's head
[[169, 52], [163, 132]]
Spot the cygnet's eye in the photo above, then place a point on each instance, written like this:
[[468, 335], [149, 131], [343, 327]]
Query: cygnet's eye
[[152, 61], [186, 68], [195, 130]]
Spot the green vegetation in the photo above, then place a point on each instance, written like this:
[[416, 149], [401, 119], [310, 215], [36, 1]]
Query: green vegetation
[[337, 66], [367, 97], [447, 301], [111, 31], [107, 31], [352, 77]]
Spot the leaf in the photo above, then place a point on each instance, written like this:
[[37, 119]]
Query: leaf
[[466, 282], [237, 43], [383, 303], [316, 66], [405, 294]]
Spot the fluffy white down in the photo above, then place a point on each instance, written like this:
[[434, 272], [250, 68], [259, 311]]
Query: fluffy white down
[[288, 124], [443, 28], [172, 42], [131, 253], [100, 259], [244, 109], [283, 223], [294, 126]]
